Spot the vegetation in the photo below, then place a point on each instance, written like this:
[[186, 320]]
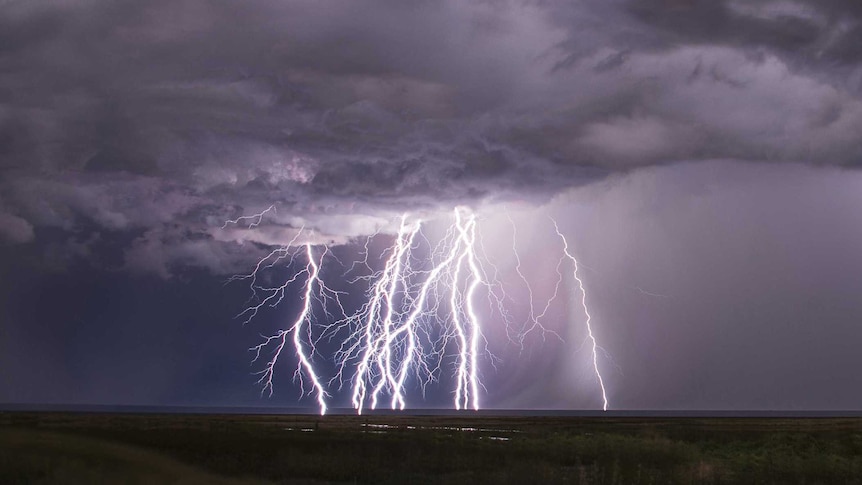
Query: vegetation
[[93, 448]]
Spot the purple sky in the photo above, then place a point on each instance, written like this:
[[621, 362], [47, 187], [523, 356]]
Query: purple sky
[[702, 156]]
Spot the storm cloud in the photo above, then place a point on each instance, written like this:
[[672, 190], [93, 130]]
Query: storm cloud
[[162, 119], [701, 157]]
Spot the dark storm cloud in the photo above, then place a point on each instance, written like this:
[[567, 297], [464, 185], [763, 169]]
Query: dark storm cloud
[[166, 118], [827, 30]]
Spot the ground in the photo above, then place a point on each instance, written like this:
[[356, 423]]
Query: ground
[[204, 448]]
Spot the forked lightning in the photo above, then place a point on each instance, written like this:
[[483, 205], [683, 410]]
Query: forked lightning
[[419, 318]]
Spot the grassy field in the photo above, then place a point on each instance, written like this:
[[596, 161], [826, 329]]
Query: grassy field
[[153, 448]]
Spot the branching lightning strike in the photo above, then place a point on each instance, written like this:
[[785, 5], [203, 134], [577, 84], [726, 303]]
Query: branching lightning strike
[[304, 321], [419, 315], [590, 336], [390, 335]]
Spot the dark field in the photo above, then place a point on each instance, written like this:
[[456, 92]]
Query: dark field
[[175, 448]]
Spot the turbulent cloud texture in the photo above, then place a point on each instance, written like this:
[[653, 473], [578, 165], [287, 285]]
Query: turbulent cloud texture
[[161, 119]]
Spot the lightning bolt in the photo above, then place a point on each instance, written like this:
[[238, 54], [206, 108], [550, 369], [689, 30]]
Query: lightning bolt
[[301, 332], [419, 314], [255, 218], [302, 325], [468, 381], [377, 322], [583, 301], [391, 334]]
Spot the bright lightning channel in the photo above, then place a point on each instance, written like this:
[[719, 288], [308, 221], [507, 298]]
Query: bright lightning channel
[[303, 321], [417, 309], [387, 333], [583, 300]]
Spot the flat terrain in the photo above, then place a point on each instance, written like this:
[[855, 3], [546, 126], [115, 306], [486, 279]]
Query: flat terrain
[[55, 447]]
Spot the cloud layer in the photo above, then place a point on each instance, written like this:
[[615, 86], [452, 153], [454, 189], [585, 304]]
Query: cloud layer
[[162, 119]]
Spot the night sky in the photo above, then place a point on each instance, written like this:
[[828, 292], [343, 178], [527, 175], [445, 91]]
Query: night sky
[[702, 157]]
